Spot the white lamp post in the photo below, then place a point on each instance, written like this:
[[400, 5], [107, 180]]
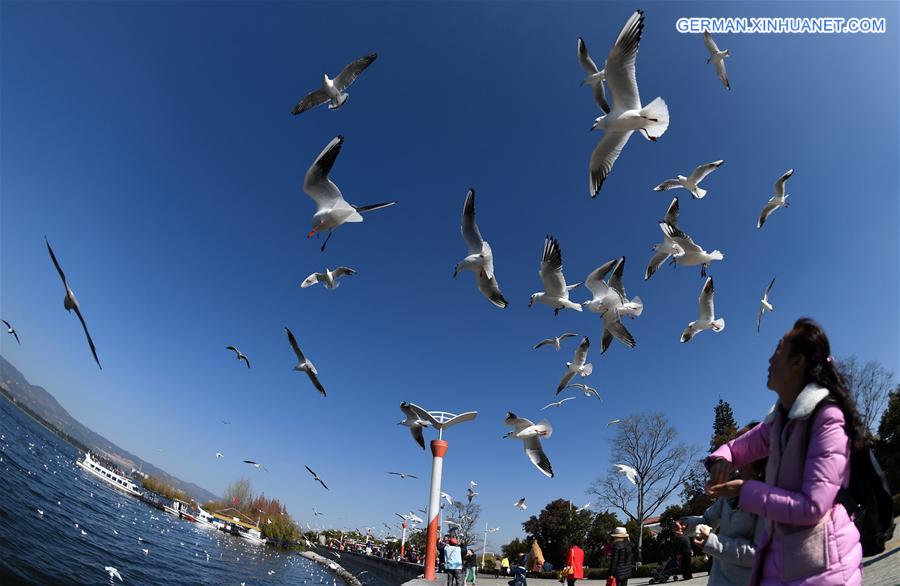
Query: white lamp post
[[484, 551]]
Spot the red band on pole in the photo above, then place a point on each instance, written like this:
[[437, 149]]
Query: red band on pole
[[438, 448]]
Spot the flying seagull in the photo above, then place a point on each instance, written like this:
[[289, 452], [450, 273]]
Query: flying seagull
[[692, 182], [472, 484], [329, 278], [315, 476], [11, 330], [471, 494], [595, 77], [558, 403], [627, 115], [555, 341], [256, 464], [629, 472], [447, 498], [403, 475], [240, 356], [667, 247], [579, 365], [520, 504], [113, 573], [584, 508], [303, 364], [70, 302], [764, 304], [691, 254], [331, 208], [531, 434], [415, 518], [415, 421], [613, 422], [717, 58], [588, 391], [317, 513], [608, 299], [707, 319], [556, 292], [480, 259], [219, 455], [332, 90], [776, 201]]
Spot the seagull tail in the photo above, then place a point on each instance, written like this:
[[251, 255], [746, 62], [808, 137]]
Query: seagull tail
[[718, 325], [698, 193], [716, 255], [589, 368], [638, 306], [656, 114]]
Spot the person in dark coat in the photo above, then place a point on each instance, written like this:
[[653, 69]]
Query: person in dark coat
[[620, 559], [683, 550]]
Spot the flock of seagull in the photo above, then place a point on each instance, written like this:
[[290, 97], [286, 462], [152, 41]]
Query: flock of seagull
[[605, 284]]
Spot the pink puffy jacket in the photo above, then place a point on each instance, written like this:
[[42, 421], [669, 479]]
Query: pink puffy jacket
[[808, 539]]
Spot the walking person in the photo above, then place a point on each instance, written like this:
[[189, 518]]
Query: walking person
[[620, 558], [453, 562], [498, 566], [575, 563], [504, 565], [809, 538], [733, 548], [470, 563]]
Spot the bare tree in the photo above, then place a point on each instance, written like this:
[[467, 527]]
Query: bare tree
[[869, 384], [463, 518], [239, 493], [647, 443]]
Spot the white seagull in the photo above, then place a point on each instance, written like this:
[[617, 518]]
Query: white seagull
[[609, 300], [404, 475], [776, 201], [447, 498], [555, 341], [595, 77], [331, 208], [627, 115], [584, 508], [332, 90], [717, 58], [691, 183], [415, 518], [70, 302], [315, 476], [707, 319], [239, 354], [303, 364], [11, 330], [629, 472], [472, 484], [764, 304], [470, 494], [579, 365], [613, 422], [691, 254], [480, 259], [530, 434], [556, 292], [113, 573], [219, 455], [588, 391], [667, 247], [415, 420], [520, 504], [257, 465], [329, 278], [558, 403]]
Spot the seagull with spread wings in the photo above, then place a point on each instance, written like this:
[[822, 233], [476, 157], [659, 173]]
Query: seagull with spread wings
[[667, 247], [588, 391], [595, 77], [480, 259], [315, 476], [239, 354], [555, 341], [627, 114], [558, 403], [471, 494], [520, 504], [608, 299], [304, 364], [579, 365], [692, 182], [707, 319], [717, 58], [257, 465], [332, 209], [11, 330], [332, 90], [70, 302], [415, 420], [556, 292], [531, 434], [776, 201], [329, 278], [629, 473], [764, 304], [404, 475], [691, 254]]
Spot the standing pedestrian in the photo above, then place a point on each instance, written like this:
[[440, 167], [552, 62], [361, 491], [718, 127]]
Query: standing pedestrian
[[575, 563], [453, 562], [504, 565], [470, 563], [620, 559]]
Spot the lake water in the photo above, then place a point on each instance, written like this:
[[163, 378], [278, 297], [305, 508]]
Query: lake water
[[87, 525]]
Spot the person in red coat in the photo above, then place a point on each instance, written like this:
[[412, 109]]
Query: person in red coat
[[575, 563]]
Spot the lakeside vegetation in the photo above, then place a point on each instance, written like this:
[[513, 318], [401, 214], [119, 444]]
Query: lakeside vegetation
[[161, 488], [270, 515]]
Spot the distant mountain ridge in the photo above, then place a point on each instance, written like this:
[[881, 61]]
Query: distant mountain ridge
[[44, 404]]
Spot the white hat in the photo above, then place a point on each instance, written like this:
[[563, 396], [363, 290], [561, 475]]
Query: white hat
[[619, 532]]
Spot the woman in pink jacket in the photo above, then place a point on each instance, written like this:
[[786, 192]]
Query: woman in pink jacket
[[808, 538]]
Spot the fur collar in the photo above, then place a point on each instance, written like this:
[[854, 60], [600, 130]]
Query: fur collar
[[811, 395]]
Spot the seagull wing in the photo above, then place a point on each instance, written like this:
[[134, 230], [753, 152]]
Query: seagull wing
[[16, 335], [707, 311], [581, 352], [655, 262], [418, 435], [352, 71], [759, 316], [537, 456], [312, 280], [604, 156], [568, 335], [517, 423], [322, 483], [779, 185], [606, 340], [615, 281], [680, 238], [671, 216], [551, 269], [490, 289], [564, 382], [468, 227], [620, 64], [703, 170], [710, 43], [544, 342], [766, 212], [668, 184], [249, 462], [613, 324], [584, 59], [245, 359], [316, 476], [311, 100], [87, 335], [316, 183], [723, 75], [342, 271], [594, 281], [769, 288], [290, 335], [59, 270], [600, 96], [314, 378]]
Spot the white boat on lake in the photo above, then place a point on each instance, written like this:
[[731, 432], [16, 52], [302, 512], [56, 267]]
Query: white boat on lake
[[108, 476]]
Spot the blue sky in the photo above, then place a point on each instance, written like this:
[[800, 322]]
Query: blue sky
[[153, 144]]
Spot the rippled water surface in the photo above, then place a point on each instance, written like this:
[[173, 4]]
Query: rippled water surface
[[58, 524]]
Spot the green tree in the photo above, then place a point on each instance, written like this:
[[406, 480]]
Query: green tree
[[602, 525], [514, 548], [887, 446], [556, 526], [693, 492], [724, 425]]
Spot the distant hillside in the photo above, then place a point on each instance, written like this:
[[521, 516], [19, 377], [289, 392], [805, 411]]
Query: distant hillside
[[42, 403]]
